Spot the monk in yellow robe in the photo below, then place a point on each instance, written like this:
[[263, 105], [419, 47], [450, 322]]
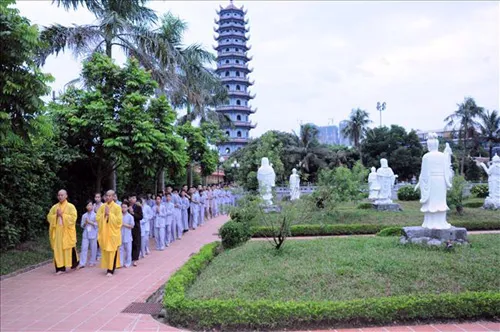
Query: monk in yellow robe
[[109, 223], [62, 233]]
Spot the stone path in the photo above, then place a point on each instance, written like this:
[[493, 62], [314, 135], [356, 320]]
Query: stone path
[[87, 300]]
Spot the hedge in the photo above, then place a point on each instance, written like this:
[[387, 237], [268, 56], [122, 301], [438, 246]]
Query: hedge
[[353, 229], [233, 314], [473, 205]]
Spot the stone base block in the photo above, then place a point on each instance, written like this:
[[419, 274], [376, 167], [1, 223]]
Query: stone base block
[[387, 207], [271, 208], [434, 237]]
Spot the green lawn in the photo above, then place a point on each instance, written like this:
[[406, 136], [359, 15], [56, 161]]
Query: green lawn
[[348, 268], [26, 254], [348, 213]]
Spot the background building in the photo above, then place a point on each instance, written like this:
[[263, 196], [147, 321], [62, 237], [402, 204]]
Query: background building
[[232, 68]]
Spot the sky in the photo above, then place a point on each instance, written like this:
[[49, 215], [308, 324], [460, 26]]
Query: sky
[[314, 61]]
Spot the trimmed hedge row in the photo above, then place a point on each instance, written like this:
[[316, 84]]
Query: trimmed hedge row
[[353, 229], [236, 314]]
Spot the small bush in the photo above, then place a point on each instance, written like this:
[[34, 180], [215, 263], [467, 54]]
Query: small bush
[[480, 190], [391, 231], [408, 193], [365, 206], [234, 233], [473, 205]]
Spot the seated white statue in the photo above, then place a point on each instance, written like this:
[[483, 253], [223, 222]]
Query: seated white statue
[[493, 199], [435, 179], [374, 186], [266, 178], [386, 180], [294, 185]]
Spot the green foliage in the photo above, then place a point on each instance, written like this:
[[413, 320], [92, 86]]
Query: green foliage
[[234, 233], [365, 206], [247, 210], [408, 193], [114, 121], [339, 185], [473, 205], [391, 231], [472, 171], [25, 255], [480, 190], [402, 150], [455, 195], [22, 84], [237, 313]]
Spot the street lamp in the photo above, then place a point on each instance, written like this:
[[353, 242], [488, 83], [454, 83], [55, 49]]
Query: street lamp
[[380, 108], [221, 161], [235, 165]]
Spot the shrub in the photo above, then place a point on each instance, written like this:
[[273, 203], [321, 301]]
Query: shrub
[[408, 193], [237, 314], [365, 206], [473, 205], [455, 196], [480, 190], [391, 231], [234, 233]]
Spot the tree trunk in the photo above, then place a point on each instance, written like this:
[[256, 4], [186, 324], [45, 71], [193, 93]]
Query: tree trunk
[[189, 175], [462, 164], [490, 149]]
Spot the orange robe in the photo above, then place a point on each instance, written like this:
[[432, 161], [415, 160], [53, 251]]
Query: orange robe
[[63, 237], [109, 234]]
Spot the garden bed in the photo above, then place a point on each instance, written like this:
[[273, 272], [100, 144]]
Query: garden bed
[[333, 283]]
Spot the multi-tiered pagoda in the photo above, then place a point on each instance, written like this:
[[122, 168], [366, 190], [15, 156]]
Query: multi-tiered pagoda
[[232, 67]]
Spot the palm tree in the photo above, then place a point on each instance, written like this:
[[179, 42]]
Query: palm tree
[[490, 129], [356, 127], [465, 119]]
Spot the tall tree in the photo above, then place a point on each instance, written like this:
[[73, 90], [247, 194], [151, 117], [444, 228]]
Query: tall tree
[[22, 84], [115, 119], [490, 129], [465, 118], [356, 127]]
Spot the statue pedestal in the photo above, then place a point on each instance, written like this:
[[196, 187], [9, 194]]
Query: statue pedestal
[[387, 207], [491, 204], [433, 237], [271, 208]]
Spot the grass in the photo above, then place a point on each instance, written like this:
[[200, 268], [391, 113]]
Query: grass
[[348, 268], [348, 213], [26, 254]]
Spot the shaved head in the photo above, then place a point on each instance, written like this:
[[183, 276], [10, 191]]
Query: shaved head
[[62, 195], [110, 194]]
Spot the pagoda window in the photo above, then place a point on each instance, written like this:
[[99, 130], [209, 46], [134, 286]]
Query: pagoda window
[[227, 133], [238, 133], [227, 61], [238, 73], [237, 61], [227, 87], [238, 102], [227, 40], [228, 150], [227, 73], [238, 88], [227, 49], [238, 117]]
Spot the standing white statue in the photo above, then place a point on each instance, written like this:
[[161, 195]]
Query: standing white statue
[[374, 186], [386, 179], [493, 199], [266, 178], [294, 185], [435, 179]]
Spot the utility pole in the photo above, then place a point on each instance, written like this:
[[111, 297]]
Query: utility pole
[[380, 108]]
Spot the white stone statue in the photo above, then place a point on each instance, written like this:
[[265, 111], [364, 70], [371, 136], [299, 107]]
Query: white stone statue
[[435, 179], [294, 185], [386, 179], [493, 199], [266, 178], [374, 186]]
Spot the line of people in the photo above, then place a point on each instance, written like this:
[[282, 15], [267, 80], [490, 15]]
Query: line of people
[[118, 233]]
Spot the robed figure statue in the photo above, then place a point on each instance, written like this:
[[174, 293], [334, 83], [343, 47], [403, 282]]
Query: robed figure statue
[[493, 199], [435, 179], [374, 186], [386, 179], [266, 178], [294, 185]]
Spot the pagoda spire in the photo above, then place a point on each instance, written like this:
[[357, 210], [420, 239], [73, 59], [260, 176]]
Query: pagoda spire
[[233, 70]]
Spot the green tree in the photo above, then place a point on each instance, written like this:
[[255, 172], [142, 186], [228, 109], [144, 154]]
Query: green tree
[[490, 129], [465, 118], [356, 127], [22, 84], [114, 119]]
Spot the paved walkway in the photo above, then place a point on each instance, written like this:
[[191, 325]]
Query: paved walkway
[[87, 300]]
